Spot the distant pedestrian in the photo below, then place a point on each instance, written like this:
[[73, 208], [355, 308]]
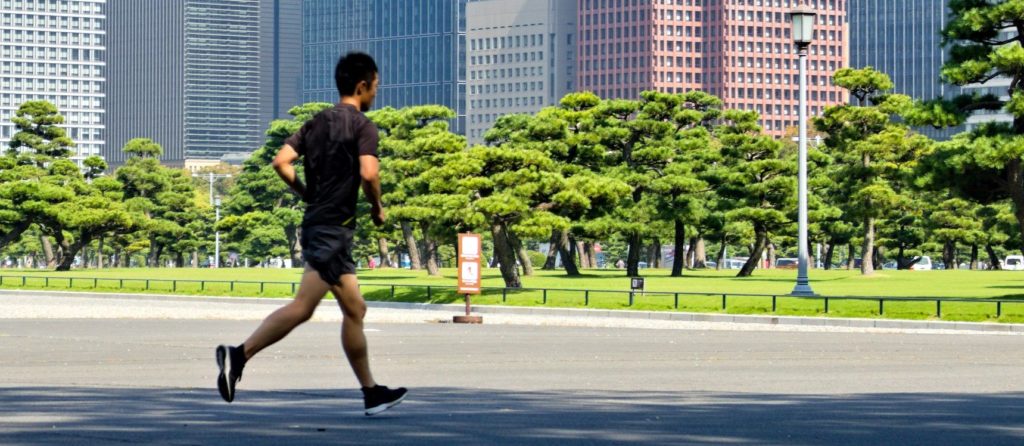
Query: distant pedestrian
[[620, 264], [338, 148]]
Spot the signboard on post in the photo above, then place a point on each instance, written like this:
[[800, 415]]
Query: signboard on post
[[470, 246], [470, 250]]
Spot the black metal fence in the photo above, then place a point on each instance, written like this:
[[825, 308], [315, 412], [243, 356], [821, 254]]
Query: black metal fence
[[431, 293]]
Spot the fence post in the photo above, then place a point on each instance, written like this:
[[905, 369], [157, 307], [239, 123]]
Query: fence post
[[202, 285], [147, 284], [723, 302], [174, 286], [631, 298], [120, 283], [71, 282], [261, 287], [392, 292], [428, 293], [293, 287], [999, 309], [677, 301], [95, 283], [504, 294], [586, 298], [46, 282], [938, 309], [23, 280], [826, 305], [881, 307], [232, 286], [773, 304], [545, 296]]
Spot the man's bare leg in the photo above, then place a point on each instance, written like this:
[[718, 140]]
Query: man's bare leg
[[353, 340], [281, 322]]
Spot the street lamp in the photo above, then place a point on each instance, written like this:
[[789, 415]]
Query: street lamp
[[803, 34], [216, 237], [212, 177]]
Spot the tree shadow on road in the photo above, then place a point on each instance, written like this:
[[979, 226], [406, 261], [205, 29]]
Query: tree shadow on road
[[77, 415]]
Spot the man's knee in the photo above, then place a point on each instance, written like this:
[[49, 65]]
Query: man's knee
[[354, 310], [303, 312]]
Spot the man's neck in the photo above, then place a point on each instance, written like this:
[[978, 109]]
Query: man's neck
[[353, 101]]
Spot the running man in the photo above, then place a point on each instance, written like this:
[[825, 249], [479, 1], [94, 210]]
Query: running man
[[339, 151]]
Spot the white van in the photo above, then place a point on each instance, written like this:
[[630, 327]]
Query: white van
[[925, 264], [1014, 263]]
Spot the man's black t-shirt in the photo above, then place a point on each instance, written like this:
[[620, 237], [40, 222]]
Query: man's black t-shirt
[[330, 145]]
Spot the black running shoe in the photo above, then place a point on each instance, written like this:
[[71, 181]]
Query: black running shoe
[[231, 361], [380, 398]]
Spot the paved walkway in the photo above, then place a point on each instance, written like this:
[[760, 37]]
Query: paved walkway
[[146, 379]]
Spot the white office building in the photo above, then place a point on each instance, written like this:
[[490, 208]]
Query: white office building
[[521, 58], [55, 50]]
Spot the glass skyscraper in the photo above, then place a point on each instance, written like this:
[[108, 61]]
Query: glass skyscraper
[[419, 45], [203, 78], [55, 51], [902, 39]]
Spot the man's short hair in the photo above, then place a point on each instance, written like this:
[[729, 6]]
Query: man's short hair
[[352, 69]]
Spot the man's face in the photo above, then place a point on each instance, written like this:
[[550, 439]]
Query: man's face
[[366, 93]]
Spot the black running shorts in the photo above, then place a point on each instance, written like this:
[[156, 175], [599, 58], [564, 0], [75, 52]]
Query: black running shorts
[[328, 250]]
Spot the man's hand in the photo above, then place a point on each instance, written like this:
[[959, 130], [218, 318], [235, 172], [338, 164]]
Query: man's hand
[[378, 215]]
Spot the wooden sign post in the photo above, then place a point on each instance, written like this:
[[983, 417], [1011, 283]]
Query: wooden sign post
[[470, 247]]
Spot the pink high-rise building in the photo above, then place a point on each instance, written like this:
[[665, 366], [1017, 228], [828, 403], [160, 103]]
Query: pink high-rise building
[[738, 50]]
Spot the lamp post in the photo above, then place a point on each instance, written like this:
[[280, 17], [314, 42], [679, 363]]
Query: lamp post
[[212, 177], [216, 237], [803, 33]]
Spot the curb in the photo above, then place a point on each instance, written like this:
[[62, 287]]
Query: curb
[[580, 313]]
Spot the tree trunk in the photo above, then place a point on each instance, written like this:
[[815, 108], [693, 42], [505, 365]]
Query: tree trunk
[[521, 253], [295, 246], [195, 259], [430, 248], [505, 253], [633, 257], [760, 241], [721, 253], [974, 257], [51, 261], [70, 250], [700, 254], [948, 255], [99, 254], [1015, 180], [385, 255], [830, 249], [581, 253], [551, 262], [691, 253], [867, 265], [410, 247], [14, 234], [591, 254], [179, 259], [850, 262], [678, 242], [771, 255], [993, 258], [656, 251], [566, 253]]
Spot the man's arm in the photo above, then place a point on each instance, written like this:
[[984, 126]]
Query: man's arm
[[369, 170], [283, 166]]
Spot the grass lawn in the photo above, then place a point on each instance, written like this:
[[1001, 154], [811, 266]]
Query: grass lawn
[[980, 285]]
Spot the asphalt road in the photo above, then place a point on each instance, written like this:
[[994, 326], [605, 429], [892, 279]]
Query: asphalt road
[[126, 381]]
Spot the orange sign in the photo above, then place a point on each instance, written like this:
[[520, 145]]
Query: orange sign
[[470, 247]]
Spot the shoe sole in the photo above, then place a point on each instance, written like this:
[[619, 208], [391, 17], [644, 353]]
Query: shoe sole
[[378, 409], [222, 379]]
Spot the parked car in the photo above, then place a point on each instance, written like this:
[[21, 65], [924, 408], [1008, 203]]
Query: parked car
[[925, 264], [734, 263], [787, 263], [1013, 263]]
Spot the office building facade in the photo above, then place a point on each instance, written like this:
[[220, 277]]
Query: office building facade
[[522, 57], [55, 51], [419, 46], [203, 78], [738, 50], [902, 39]]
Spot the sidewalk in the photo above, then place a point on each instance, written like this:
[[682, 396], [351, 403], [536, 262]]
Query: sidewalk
[[31, 304]]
